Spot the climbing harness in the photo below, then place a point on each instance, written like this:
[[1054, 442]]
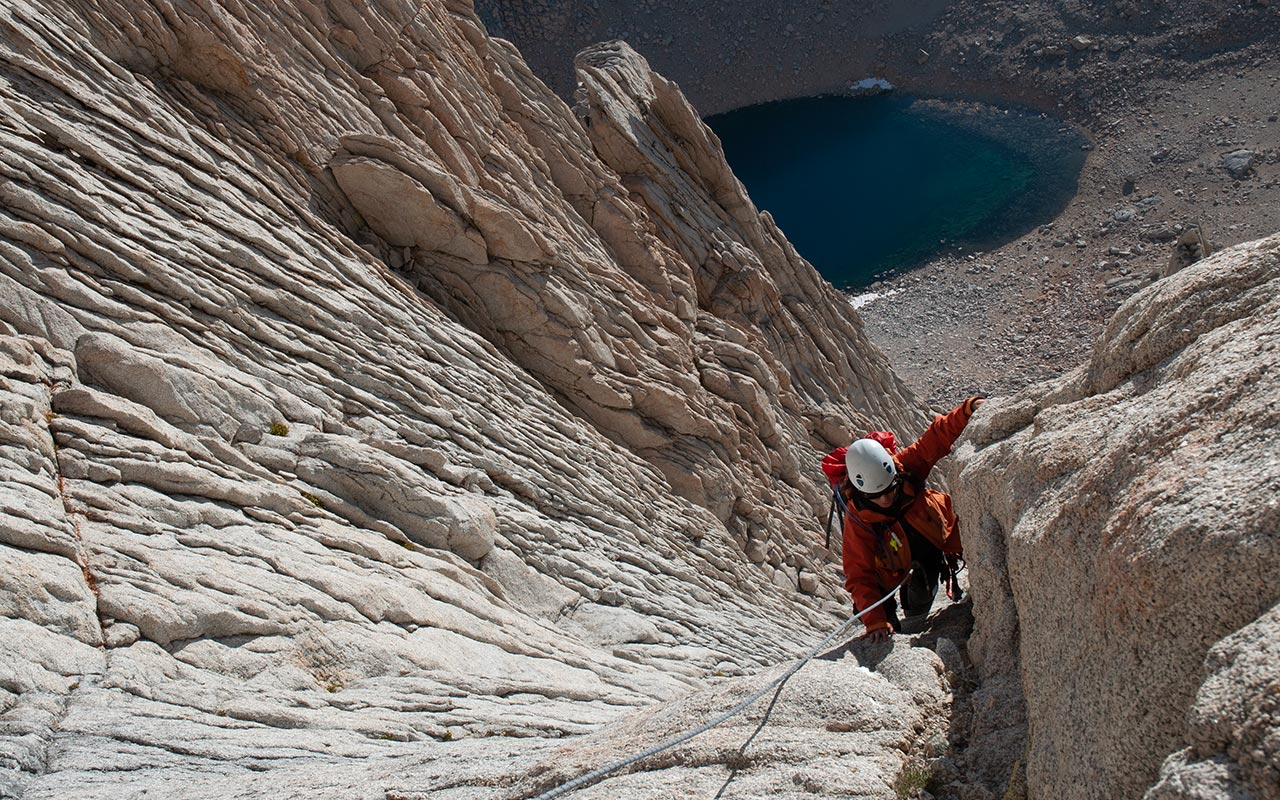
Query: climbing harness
[[894, 541], [595, 775], [951, 566]]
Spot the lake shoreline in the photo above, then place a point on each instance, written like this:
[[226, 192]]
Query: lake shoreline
[[1029, 310], [869, 187]]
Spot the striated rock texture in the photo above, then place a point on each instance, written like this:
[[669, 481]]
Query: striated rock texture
[[1139, 543], [364, 410], [834, 729]]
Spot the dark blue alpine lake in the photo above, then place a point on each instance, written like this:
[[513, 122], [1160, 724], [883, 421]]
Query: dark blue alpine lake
[[862, 186]]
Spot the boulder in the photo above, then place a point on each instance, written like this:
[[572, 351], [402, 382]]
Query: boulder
[[1239, 163], [1091, 495]]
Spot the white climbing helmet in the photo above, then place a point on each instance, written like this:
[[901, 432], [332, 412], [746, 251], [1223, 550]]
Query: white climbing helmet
[[871, 468]]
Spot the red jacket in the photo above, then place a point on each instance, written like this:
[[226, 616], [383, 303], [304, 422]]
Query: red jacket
[[874, 545]]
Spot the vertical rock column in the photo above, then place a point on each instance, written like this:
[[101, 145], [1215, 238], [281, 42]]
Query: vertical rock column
[[1128, 524]]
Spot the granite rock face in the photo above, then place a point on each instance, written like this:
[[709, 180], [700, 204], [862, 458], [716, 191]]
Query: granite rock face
[[366, 412], [1234, 723], [836, 728], [1137, 544]]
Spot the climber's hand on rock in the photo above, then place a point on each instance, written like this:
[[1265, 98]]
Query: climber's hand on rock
[[879, 635]]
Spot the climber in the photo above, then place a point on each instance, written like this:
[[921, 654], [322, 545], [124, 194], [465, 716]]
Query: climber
[[892, 522]]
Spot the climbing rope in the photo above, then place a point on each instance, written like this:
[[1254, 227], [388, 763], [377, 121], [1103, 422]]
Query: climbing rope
[[595, 775]]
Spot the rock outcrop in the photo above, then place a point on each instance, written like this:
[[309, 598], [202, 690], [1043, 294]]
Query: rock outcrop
[[1123, 534], [359, 397]]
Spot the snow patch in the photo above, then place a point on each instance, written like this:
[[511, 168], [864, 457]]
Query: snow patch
[[870, 86], [867, 298]]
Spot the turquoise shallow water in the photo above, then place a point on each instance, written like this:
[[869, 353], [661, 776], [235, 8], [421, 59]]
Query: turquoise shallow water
[[862, 186]]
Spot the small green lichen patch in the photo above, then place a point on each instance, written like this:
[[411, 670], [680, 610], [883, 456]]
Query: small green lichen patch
[[912, 781], [279, 429]]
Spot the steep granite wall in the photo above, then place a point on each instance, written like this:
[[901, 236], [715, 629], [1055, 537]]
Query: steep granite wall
[[1125, 560], [356, 398]]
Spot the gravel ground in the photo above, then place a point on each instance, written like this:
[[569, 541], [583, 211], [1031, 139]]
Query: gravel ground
[[1029, 310]]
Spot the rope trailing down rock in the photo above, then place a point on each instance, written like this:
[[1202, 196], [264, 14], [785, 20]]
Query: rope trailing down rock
[[597, 774]]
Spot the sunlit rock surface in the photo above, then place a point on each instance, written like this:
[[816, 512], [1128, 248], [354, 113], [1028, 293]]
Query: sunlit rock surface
[[366, 412]]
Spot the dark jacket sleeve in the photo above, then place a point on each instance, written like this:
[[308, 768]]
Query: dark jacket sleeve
[[936, 442]]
